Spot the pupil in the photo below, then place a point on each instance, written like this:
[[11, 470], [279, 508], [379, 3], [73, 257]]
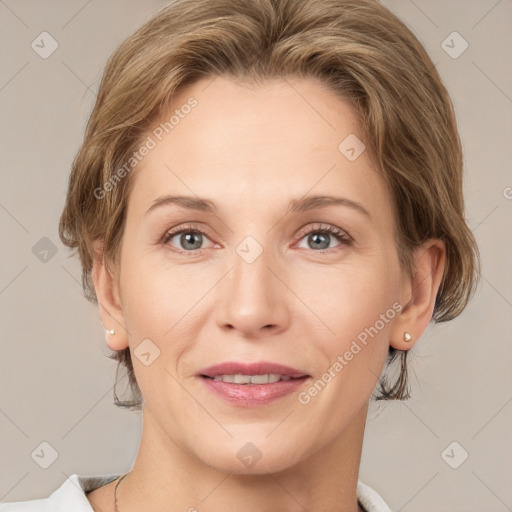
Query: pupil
[[188, 238], [323, 238]]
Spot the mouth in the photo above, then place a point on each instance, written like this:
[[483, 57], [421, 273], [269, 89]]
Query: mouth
[[258, 369], [240, 378], [251, 385]]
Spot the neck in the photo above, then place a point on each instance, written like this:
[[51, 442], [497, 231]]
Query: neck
[[167, 477]]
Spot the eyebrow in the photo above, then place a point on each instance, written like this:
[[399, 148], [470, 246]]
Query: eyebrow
[[188, 202], [312, 202], [295, 205]]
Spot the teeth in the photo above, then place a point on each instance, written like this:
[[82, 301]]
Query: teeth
[[266, 378], [258, 379], [242, 379]]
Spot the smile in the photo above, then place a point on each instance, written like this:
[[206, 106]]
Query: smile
[[267, 378], [252, 384]]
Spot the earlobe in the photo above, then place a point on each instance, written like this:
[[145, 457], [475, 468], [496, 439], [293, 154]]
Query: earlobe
[[114, 343], [109, 304], [419, 294]]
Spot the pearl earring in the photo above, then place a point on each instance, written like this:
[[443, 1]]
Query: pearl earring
[[108, 332], [407, 337]]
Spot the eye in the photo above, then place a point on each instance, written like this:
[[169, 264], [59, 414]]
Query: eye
[[320, 237], [188, 238]]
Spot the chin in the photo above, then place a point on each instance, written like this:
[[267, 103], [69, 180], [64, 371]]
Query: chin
[[267, 464], [244, 457]]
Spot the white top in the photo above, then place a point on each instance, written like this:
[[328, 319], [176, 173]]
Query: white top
[[70, 497]]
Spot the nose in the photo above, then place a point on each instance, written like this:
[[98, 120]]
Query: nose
[[252, 297]]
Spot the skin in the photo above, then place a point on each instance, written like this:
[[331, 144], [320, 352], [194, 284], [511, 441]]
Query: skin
[[251, 149]]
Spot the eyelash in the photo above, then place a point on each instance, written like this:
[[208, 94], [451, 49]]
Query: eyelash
[[342, 237]]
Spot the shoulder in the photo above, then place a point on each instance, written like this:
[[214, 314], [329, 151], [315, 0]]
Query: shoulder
[[368, 498], [70, 493]]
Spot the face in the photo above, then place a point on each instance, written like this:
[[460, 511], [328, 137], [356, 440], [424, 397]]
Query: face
[[252, 272]]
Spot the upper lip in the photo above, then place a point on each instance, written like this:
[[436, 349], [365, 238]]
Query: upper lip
[[259, 368]]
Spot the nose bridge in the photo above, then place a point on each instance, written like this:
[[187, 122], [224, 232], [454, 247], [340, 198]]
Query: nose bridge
[[250, 298]]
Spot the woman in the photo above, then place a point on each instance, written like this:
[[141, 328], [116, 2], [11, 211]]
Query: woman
[[268, 209]]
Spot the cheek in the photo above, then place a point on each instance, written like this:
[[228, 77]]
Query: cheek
[[351, 299], [155, 306], [359, 310], [156, 294]]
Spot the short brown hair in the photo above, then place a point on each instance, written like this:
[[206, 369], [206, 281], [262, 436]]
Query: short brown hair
[[358, 49]]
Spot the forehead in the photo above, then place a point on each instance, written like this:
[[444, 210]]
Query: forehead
[[247, 145]]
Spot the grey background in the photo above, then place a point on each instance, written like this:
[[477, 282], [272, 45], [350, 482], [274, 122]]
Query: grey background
[[56, 381]]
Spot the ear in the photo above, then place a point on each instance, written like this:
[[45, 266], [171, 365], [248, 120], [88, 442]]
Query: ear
[[419, 294], [107, 291]]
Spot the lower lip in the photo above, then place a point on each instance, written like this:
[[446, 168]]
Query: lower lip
[[253, 395]]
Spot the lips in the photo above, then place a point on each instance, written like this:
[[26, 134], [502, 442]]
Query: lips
[[252, 384], [260, 368]]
